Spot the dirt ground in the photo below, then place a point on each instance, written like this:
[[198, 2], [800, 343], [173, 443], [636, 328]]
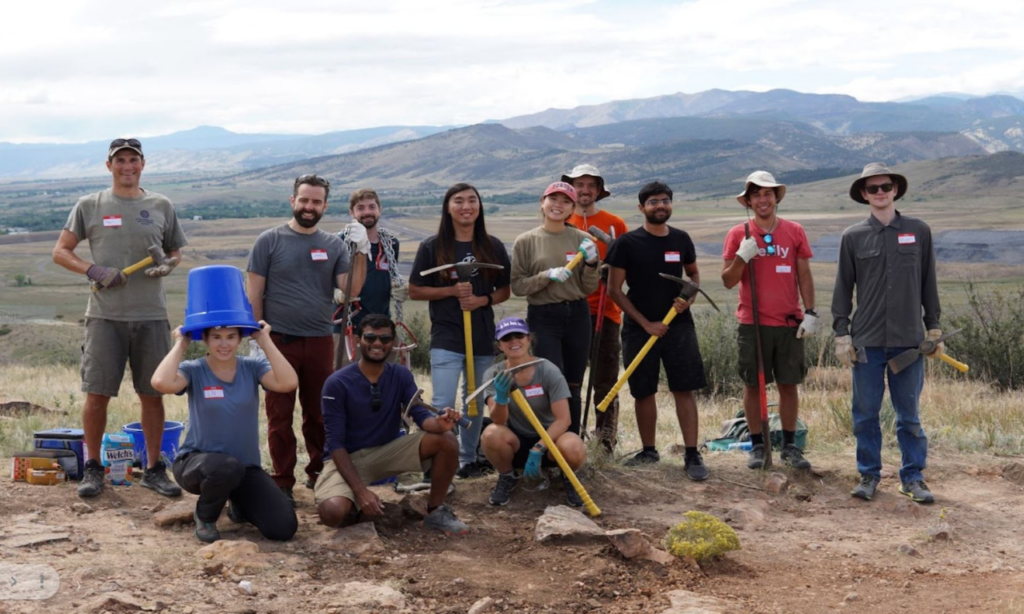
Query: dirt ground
[[818, 550]]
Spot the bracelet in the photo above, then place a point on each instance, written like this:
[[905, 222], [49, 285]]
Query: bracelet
[[540, 447], [811, 312], [490, 300]]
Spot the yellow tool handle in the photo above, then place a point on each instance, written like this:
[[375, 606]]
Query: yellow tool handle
[[603, 405], [148, 260], [467, 330], [578, 258], [588, 503], [956, 364]]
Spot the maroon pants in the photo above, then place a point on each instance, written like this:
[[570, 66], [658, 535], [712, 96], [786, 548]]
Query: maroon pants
[[312, 359]]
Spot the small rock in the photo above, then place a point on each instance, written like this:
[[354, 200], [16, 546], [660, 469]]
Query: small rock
[[813, 546], [656, 555], [941, 531], [187, 610], [118, 602], [908, 550], [677, 449], [776, 484], [414, 505], [178, 512], [356, 540], [563, 524], [240, 556], [687, 602], [483, 605], [81, 508], [851, 597], [904, 507], [1014, 472], [245, 587], [363, 595], [748, 515], [630, 542]]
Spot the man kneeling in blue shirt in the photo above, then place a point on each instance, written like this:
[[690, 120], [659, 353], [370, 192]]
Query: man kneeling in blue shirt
[[362, 406]]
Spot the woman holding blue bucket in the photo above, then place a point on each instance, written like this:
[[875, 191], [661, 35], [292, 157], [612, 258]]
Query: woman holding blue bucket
[[220, 459]]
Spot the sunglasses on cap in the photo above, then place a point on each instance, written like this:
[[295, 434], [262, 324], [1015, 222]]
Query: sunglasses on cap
[[873, 189], [125, 142], [516, 336], [312, 179], [372, 338]]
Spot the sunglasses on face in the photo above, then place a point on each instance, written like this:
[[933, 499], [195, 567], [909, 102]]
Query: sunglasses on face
[[873, 189], [123, 142], [372, 338], [312, 179], [375, 401], [516, 336]]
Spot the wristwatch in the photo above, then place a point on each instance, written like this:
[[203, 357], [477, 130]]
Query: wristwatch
[[811, 312]]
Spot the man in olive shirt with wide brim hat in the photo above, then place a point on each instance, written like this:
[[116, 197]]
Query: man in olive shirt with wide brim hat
[[889, 259]]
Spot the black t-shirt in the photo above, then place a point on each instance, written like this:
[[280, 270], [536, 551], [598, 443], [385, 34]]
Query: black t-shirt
[[375, 296], [446, 331], [643, 256]]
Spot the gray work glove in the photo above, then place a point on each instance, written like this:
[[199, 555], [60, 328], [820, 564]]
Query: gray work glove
[[163, 270], [106, 276], [399, 292], [844, 350]]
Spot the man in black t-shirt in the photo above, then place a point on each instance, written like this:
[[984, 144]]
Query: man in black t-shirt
[[637, 258], [461, 237]]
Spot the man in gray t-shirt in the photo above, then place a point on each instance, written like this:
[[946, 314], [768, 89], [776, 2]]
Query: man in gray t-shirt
[[126, 319], [293, 271]]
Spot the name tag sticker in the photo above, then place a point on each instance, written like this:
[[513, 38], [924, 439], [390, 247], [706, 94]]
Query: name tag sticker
[[906, 239], [213, 392], [111, 221], [569, 256], [318, 254], [533, 391], [672, 257], [783, 268]]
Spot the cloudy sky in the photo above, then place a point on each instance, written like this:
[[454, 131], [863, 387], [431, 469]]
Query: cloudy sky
[[78, 70]]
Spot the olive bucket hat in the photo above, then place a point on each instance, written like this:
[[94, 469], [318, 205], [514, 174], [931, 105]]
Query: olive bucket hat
[[872, 170]]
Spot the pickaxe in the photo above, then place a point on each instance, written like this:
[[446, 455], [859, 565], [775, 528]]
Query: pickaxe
[[905, 359], [687, 291], [465, 271], [156, 257], [595, 341], [762, 390], [418, 400], [520, 400]]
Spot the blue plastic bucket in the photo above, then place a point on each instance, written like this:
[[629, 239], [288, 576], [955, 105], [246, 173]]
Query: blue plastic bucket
[[216, 297], [168, 445]]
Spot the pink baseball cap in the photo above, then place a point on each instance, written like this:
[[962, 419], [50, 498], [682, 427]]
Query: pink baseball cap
[[561, 187]]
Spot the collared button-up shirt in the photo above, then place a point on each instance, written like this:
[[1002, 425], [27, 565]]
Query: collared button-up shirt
[[893, 269]]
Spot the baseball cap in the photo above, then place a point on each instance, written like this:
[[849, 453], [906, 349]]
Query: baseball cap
[[561, 187], [510, 324], [118, 144]]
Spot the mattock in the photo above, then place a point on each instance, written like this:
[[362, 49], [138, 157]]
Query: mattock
[[466, 271], [417, 399]]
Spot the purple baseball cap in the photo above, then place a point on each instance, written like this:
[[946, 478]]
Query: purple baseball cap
[[510, 325]]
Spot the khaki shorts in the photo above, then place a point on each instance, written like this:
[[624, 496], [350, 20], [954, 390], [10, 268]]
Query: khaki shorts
[[400, 456], [109, 344]]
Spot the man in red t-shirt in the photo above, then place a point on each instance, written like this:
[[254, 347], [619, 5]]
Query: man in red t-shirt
[[590, 188], [781, 256]]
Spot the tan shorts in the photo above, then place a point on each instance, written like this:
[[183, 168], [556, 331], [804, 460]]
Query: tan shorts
[[400, 456], [109, 344]]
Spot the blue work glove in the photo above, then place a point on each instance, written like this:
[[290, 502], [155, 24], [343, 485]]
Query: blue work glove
[[502, 387], [532, 469]]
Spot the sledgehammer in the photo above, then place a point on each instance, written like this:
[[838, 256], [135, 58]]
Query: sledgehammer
[[156, 256]]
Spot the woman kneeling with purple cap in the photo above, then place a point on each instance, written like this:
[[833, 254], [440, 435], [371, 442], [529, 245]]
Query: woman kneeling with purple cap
[[511, 442], [220, 459]]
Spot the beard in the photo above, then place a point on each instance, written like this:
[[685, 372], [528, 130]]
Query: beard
[[306, 223], [365, 355], [369, 222], [658, 217]]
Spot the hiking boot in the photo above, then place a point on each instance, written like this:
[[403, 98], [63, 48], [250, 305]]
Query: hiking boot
[[155, 478], [866, 489], [917, 491], [235, 514], [92, 479], [695, 469], [755, 458], [644, 457], [443, 519], [794, 457], [502, 492], [571, 496], [471, 470], [205, 531], [291, 496]]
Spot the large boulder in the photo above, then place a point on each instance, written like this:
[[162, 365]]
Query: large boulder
[[562, 524]]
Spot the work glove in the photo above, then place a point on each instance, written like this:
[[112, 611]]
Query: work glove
[[106, 276], [339, 296], [844, 350], [747, 249], [163, 270], [502, 387], [355, 233], [399, 292], [933, 334], [559, 274], [589, 250], [808, 327], [532, 469], [255, 351]]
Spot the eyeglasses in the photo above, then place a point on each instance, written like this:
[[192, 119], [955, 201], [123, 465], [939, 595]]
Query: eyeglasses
[[654, 202], [873, 189], [312, 179], [372, 338], [123, 142], [515, 336], [768, 239], [375, 400]]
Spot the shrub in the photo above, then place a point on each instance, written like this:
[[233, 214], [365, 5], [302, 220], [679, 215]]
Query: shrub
[[992, 339], [716, 334], [420, 327], [701, 536]]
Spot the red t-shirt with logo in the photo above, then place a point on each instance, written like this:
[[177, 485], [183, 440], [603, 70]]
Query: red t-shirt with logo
[[606, 222], [778, 294]]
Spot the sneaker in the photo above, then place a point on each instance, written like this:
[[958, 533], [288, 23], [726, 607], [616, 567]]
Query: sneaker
[[644, 457], [571, 496], [471, 470], [235, 514], [291, 496], [794, 457], [92, 480], [443, 519], [155, 478], [205, 531], [755, 458], [917, 491], [866, 489], [502, 492], [695, 468], [311, 482]]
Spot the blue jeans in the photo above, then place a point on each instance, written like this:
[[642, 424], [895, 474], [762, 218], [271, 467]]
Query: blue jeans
[[446, 367], [904, 390]]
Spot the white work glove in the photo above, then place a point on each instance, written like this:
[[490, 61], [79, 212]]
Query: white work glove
[[255, 351], [808, 327], [355, 233], [339, 296], [559, 274], [934, 334], [164, 269], [399, 292], [589, 250], [747, 249], [844, 350]]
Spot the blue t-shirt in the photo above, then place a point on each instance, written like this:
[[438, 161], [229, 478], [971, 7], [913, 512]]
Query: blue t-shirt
[[224, 416], [350, 421]]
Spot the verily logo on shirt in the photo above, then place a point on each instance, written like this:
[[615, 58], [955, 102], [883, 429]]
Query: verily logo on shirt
[[213, 392], [318, 254], [781, 251]]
